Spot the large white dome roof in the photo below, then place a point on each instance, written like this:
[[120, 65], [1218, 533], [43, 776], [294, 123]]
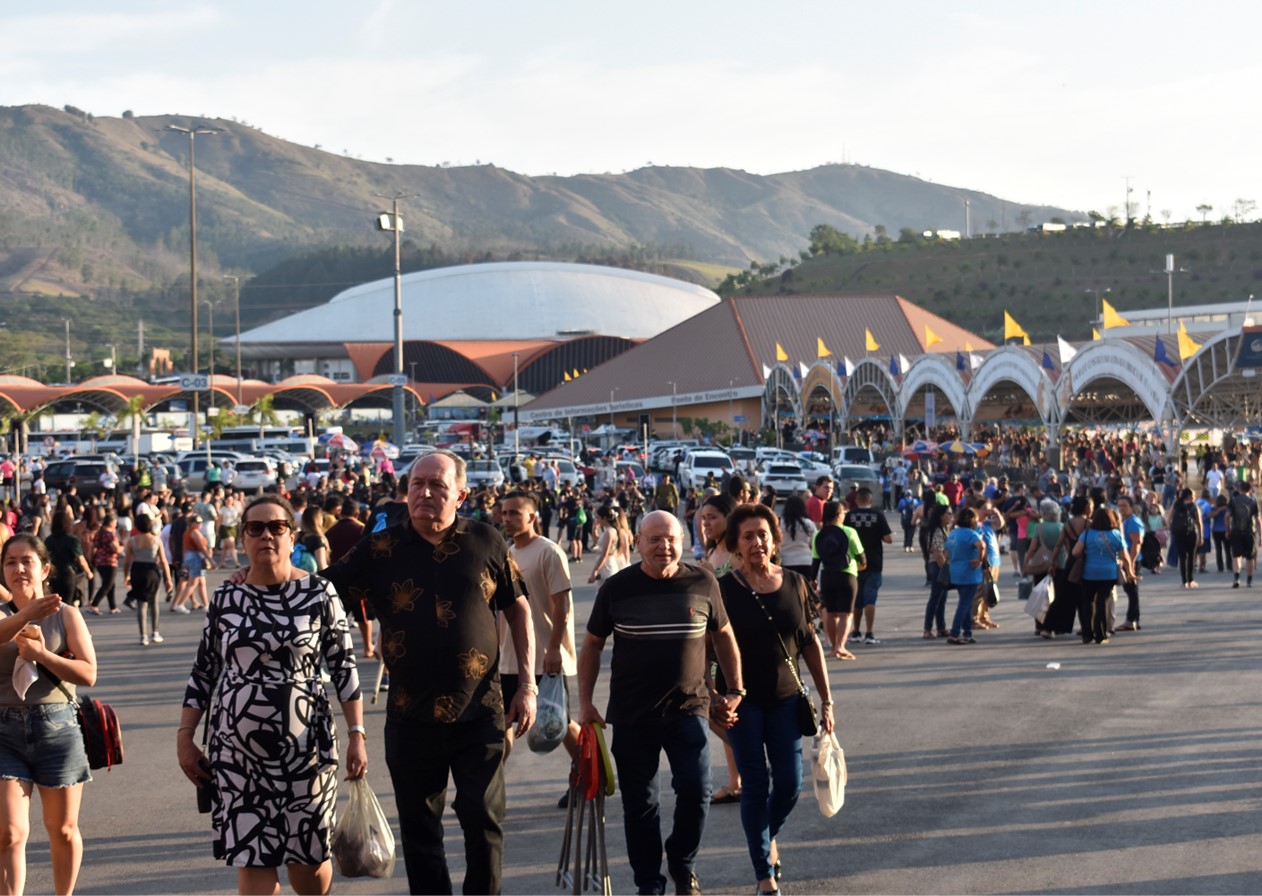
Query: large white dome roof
[[503, 300]]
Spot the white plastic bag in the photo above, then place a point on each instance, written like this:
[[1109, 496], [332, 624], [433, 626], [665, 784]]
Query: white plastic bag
[[363, 844], [1041, 598], [830, 776], [552, 718]]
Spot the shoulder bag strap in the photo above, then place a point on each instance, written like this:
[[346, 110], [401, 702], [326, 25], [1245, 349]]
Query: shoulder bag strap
[[785, 650]]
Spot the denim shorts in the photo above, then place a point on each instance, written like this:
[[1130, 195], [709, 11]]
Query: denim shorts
[[44, 744], [194, 564]]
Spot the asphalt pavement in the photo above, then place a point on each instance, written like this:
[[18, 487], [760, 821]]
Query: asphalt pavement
[[1014, 765]]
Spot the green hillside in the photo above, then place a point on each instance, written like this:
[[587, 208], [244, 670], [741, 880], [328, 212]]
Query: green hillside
[[1051, 283]]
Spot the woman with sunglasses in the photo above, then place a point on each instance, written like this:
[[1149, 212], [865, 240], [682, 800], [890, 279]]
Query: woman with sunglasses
[[272, 764]]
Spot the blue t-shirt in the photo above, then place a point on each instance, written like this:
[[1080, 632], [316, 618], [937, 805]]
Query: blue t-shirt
[[906, 507], [1101, 553], [961, 547], [1206, 509], [992, 544]]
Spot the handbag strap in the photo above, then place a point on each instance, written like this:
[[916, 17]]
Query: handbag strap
[[770, 621]]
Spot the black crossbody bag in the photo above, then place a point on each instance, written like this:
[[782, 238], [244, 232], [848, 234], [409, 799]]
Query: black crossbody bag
[[808, 722]]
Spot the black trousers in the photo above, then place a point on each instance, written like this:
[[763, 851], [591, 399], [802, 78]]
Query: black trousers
[[420, 756], [1096, 610]]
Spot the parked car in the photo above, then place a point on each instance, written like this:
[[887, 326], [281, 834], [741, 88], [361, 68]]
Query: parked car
[[480, 473], [786, 479], [698, 464], [853, 454], [85, 475], [863, 476], [254, 474]]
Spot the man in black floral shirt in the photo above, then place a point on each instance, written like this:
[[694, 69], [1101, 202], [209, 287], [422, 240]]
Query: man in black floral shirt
[[436, 584]]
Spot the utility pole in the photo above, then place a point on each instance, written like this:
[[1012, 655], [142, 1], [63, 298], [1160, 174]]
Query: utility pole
[[390, 221], [69, 363], [236, 301], [192, 255]]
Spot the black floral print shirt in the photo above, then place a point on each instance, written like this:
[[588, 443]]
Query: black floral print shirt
[[436, 605]]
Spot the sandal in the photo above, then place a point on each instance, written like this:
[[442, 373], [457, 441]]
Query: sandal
[[842, 655], [928, 635], [725, 795], [956, 641]]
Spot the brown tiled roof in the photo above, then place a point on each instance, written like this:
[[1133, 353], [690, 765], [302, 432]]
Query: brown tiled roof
[[732, 341]]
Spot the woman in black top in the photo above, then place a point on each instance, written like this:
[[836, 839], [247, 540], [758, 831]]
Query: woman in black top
[[769, 609]]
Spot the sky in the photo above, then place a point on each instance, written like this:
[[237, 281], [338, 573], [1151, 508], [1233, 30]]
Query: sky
[[1067, 104]]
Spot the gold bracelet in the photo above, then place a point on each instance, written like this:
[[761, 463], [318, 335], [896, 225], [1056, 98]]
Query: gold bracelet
[[185, 728]]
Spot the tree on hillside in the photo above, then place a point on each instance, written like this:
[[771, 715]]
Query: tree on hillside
[[1204, 208], [1244, 208], [828, 240]]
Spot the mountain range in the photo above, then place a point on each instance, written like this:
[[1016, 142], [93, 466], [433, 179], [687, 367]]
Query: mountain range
[[99, 206]]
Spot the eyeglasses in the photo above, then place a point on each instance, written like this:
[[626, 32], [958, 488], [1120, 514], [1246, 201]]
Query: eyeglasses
[[256, 528]]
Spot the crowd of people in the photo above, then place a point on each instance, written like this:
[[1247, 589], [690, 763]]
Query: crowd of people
[[469, 600]]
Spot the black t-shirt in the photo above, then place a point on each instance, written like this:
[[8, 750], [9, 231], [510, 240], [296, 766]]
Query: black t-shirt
[[437, 607], [659, 627], [766, 675], [872, 527], [1016, 502]]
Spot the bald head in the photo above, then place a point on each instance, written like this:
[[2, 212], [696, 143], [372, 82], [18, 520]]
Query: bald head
[[660, 542]]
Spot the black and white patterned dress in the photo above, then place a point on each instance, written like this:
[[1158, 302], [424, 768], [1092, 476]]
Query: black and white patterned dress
[[273, 747]]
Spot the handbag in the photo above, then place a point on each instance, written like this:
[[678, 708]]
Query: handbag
[[944, 575], [1041, 599], [1041, 560], [98, 722], [830, 776], [808, 722], [992, 594]]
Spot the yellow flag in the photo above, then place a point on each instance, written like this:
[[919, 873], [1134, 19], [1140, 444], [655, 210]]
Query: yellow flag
[[1025, 340], [968, 346], [931, 338], [781, 354], [575, 374], [820, 349], [493, 398], [567, 377], [871, 344], [1095, 334], [1012, 329], [1111, 317], [1187, 348]]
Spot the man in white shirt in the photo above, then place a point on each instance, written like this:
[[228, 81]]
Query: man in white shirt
[[547, 576]]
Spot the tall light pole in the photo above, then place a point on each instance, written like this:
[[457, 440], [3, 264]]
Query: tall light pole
[[611, 423], [674, 394], [236, 301], [516, 406], [1099, 307], [69, 363], [192, 253], [390, 221]]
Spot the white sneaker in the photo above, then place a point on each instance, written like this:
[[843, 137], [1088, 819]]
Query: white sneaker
[[157, 638], [183, 610], [144, 642]]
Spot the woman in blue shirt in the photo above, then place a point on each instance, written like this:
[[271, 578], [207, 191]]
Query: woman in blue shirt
[[1133, 539], [967, 552], [1101, 546]]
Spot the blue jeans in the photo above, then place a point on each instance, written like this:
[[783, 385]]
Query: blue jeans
[[637, 750], [963, 622], [869, 588], [935, 610], [763, 736]]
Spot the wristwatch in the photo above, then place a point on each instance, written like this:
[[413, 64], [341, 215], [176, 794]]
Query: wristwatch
[[357, 729], [530, 687], [735, 692]]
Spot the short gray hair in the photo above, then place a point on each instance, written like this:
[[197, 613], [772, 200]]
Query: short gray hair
[[1049, 510]]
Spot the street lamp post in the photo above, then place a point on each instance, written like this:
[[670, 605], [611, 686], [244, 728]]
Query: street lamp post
[[393, 223], [674, 395], [192, 252], [69, 363], [516, 407], [236, 302]]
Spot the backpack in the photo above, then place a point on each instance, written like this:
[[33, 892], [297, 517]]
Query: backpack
[[1241, 514], [303, 558], [1187, 526], [1149, 552], [581, 516], [832, 545]]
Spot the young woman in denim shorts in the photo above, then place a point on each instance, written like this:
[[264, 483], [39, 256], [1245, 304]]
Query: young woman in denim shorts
[[41, 744]]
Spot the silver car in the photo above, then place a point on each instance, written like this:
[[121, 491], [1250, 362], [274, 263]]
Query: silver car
[[855, 474], [786, 479]]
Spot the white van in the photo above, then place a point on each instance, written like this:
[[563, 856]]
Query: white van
[[853, 454]]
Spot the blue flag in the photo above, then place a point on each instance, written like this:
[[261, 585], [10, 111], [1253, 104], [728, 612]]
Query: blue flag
[[893, 365], [960, 363], [1047, 361], [841, 369], [1159, 354]]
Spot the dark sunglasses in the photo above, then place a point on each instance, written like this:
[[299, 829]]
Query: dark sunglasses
[[256, 528]]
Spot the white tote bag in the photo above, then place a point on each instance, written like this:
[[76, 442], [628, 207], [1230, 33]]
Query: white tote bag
[[1041, 598], [830, 776]]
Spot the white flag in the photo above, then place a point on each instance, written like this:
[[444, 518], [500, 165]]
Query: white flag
[[849, 366], [974, 360], [903, 364], [803, 369], [1067, 351], [766, 372]]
